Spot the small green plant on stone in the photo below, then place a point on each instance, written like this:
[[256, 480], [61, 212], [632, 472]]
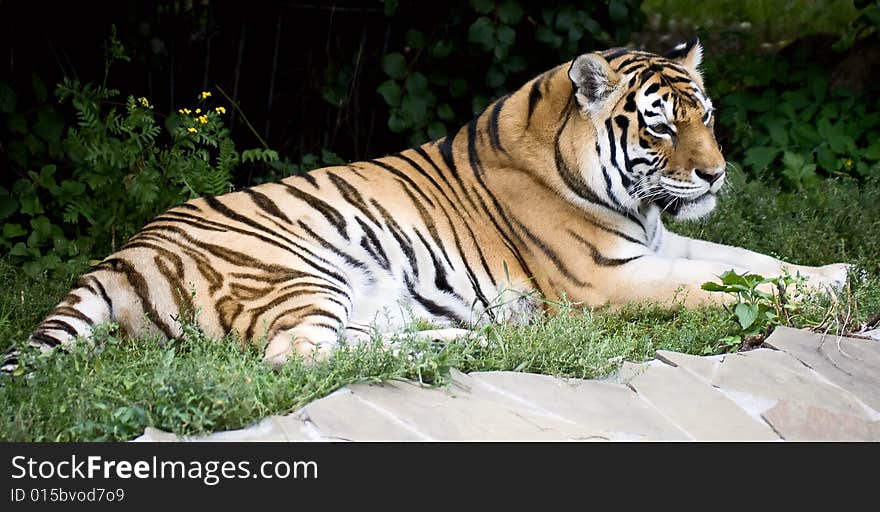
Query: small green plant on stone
[[755, 312]]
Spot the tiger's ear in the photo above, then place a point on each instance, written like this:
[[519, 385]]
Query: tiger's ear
[[689, 54], [593, 79]]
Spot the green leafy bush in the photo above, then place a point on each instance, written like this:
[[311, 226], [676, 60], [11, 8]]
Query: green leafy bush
[[451, 71], [755, 312], [83, 187], [780, 118]]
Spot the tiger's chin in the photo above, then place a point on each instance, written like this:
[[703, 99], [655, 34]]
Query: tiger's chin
[[689, 209]]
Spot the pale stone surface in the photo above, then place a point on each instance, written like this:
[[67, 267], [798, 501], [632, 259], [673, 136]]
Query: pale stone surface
[[343, 415], [604, 409], [154, 435], [702, 367], [628, 370], [440, 415], [772, 375], [699, 409], [796, 421], [853, 364], [293, 428], [266, 430]]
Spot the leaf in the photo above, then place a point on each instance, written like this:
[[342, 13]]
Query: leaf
[[731, 278], [391, 7], [40, 91], [19, 249], [759, 157], [778, 132], [12, 230], [7, 99], [414, 108], [746, 314], [17, 123], [826, 159], [42, 230], [445, 112], [415, 39], [8, 204], [872, 152], [30, 204], [483, 6], [479, 103], [546, 35], [793, 160], [49, 126], [712, 286], [442, 49], [482, 32], [390, 91], [506, 35], [618, 11], [416, 84], [394, 65], [396, 122], [494, 77], [436, 130], [510, 12]]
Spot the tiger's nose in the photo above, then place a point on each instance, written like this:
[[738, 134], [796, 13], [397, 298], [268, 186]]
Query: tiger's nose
[[709, 175]]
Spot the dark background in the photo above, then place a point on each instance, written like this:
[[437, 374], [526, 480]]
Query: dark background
[[319, 83], [305, 74]]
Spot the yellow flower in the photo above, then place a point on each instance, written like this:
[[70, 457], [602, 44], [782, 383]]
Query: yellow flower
[[144, 101], [184, 111], [198, 110], [203, 119], [220, 110], [205, 95], [191, 130]]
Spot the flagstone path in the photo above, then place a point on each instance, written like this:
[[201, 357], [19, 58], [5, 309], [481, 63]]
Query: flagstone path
[[802, 387]]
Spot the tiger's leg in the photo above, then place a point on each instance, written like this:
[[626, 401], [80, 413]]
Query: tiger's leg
[[309, 326], [677, 246], [661, 279]]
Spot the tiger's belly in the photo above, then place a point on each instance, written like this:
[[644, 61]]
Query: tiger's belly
[[313, 264]]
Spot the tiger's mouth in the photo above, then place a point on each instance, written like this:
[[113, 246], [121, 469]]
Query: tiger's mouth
[[684, 190], [686, 207]]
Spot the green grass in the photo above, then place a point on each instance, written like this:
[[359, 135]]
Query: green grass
[[198, 385]]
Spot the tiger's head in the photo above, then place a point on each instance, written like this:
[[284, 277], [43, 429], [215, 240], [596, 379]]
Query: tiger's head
[[653, 122]]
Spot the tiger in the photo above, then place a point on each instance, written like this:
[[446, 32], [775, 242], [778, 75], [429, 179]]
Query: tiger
[[554, 192]]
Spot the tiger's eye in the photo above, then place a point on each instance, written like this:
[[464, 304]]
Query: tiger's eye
[[663, 129]]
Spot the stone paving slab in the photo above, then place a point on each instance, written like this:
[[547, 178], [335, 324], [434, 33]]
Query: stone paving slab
[[437, 414], [686, 401], [608, 410], [332, 417], [796, 421], [804, 388], [853, 364], [273, 428], [702, 367], [768, 376]]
